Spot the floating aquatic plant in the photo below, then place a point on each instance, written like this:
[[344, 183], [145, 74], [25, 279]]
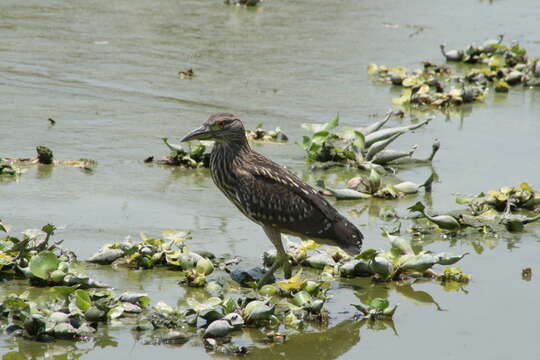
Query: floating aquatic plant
[[362, 187], [364, 148], [434, 85], [170, 251], [43, 264], [188, 156], [45, 157], [400, 261], [260, 134], [67, 312], [377, 309]]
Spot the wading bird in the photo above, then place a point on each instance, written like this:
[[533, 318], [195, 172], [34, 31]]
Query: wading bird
[[270, 195]]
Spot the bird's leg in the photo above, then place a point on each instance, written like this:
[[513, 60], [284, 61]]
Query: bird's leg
[[282, 257]]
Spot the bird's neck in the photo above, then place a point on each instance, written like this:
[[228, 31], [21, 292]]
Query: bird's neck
[[226, 152]]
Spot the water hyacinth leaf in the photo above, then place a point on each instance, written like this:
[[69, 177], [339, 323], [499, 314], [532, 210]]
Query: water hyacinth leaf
[[399, 243], [208, 304], [374, 180], [115, 312], [218, 328], [372, 69], [140, 299], [362, 308], [526, 187], [497, 61], [13, 355], [164, 308], [309, 245], [389, 311], [294, 283], [381, 266], [57, 276], [268, 290], [177, 237], [463, 200], [82, 299], [320, 137], [319, 261], [379, 303], [449, 259], [43, 264], [332, 124], [15, 303], [301, 299], [344, 194], [204, 266], [229, 305], [48, 229], [257, 311], [4, 227], [404, 99], [359, 140], [292, 320], [367, 254], [106, 256], [419, 262]]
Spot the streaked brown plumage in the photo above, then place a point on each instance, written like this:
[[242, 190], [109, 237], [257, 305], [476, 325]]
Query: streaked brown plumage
[[269, 194]]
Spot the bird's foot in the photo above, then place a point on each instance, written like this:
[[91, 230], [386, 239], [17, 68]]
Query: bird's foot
[[266, 278], [287, 269]]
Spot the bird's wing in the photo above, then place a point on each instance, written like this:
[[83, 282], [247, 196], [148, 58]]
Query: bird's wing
[[271, 194]]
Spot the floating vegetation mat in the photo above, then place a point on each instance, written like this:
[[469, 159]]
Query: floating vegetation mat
[[491, 212], [11, 167], [72, 306], [493, 65], [364, 148]]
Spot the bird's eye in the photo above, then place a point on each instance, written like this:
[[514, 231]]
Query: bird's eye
[[221, 124]]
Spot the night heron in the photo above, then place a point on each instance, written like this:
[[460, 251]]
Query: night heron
[[270, 195]]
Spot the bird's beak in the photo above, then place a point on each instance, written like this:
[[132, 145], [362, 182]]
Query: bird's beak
[[200, 133]]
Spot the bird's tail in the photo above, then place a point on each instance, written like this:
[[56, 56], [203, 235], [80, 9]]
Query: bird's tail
[[348, 237]]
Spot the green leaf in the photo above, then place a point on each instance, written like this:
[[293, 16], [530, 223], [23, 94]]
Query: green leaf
[[332, 124], [13, 355], [306, 142], [417, 207], [359, 140], [462, 199], [320, 136], [163, 308], [379, 303], [404, 99], [229, 305], [497, 61], [48, 229], [43, 264], [518, 50], [82, 300], [115, 312], [367, 254], [4, 227], [62, 291], [15, 303]]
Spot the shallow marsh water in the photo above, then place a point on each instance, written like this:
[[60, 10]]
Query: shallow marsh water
[[106, 71]]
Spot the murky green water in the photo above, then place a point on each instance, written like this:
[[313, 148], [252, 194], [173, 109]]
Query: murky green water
[[106, 71]]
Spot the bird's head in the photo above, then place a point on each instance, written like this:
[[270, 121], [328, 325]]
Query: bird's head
[[221, 127]]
